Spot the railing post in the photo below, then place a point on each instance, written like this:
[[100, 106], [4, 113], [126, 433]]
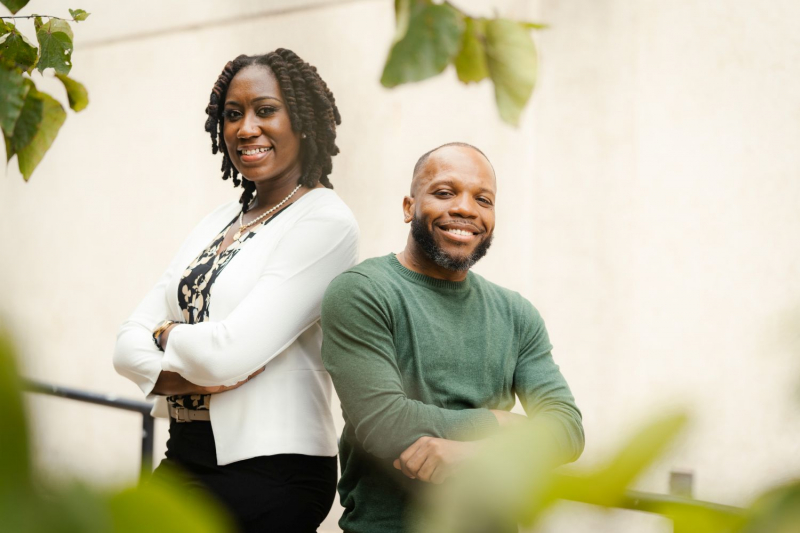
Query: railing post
[[681, 483], [148, 440]]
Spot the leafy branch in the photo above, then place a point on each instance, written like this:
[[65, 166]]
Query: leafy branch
[[78, 15], [430, 36], [30, 119]]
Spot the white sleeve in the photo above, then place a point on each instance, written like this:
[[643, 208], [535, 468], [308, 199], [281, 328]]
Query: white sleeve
[[284, 302], [136, 356]]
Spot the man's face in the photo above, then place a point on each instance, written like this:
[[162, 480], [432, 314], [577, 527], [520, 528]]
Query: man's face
[[452, 207]]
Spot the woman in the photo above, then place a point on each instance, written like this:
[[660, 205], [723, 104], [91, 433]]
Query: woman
[[235, 316]]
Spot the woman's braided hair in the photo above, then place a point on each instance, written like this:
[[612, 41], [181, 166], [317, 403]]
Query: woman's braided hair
[[312, 110]]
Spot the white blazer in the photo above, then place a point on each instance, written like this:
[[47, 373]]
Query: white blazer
[[264, 310]]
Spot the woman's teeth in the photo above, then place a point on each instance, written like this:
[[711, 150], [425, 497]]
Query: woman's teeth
[[256, 151]]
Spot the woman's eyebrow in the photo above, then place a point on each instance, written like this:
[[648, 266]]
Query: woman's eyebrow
[[258, 99]]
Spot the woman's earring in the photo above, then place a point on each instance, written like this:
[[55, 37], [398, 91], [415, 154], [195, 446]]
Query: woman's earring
[[304, 136]]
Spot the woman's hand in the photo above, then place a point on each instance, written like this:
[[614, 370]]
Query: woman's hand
[[217, 390], [173, 384]]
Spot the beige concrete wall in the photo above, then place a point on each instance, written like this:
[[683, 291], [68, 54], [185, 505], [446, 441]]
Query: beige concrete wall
[[648, 206]]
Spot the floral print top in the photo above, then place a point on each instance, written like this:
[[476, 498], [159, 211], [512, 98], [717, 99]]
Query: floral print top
[[194, 290]]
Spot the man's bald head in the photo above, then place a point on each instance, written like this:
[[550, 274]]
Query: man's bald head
[[421, 168]]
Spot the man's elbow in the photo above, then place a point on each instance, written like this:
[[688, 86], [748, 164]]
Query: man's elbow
[[381, 443], [566, 428], [386, 433], [577, 444]]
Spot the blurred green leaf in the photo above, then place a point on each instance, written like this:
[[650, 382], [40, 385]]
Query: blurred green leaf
[[161, 507], [14, 458], [70, 509], [29, 118], [470, 62], [427, 47], [53, 116], [58, 25], [512, 65], [80, 508], [607, 485], [76, 93], [79, 14], [12, 98], [777, 511], [534, 26], [513, 469], [402, 12], [55, 43], [16, 49], [641, 451], [513, 477], [699, 520], [9, 148], [28, 507], [14, 5]]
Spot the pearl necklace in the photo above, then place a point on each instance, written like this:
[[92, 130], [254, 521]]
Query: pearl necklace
[[243, 227]]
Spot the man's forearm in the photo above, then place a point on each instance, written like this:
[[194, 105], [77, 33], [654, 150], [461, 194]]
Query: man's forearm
[[507, 418]]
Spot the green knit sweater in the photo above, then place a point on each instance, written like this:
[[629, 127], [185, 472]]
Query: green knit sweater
[[411, 356]]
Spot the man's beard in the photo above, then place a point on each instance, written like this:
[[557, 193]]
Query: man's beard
[[426, 242]]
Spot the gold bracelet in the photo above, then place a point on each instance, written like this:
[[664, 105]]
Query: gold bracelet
[[160, 329]]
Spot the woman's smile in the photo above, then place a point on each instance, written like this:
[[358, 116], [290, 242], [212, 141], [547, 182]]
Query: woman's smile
[[254, 154]]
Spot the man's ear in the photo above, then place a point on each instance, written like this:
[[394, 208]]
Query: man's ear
[[408, 209]]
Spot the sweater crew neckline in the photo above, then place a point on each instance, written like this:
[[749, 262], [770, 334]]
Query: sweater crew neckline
[[427, 281]]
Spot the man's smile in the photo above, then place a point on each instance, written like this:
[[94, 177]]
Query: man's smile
[[459, 232]]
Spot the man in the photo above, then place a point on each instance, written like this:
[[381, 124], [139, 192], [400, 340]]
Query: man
[[427, 356]]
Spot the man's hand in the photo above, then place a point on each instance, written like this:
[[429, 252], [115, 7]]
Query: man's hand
[[432, 459]]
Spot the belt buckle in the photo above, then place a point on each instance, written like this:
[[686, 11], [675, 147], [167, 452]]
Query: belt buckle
[[181, 414]]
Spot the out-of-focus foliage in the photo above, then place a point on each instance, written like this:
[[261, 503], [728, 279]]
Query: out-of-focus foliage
[[431, 40], [513, 481], [430, 36], [511, 56], [29, 505], [30, 119], [777, 511]]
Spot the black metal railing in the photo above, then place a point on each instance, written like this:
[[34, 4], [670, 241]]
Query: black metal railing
[[635, 501], [107, 400], [648, 502]]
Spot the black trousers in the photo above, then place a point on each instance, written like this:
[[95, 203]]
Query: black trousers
[[287, 493]]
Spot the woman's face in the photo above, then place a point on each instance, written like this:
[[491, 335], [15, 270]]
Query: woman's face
[[257, 129]]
